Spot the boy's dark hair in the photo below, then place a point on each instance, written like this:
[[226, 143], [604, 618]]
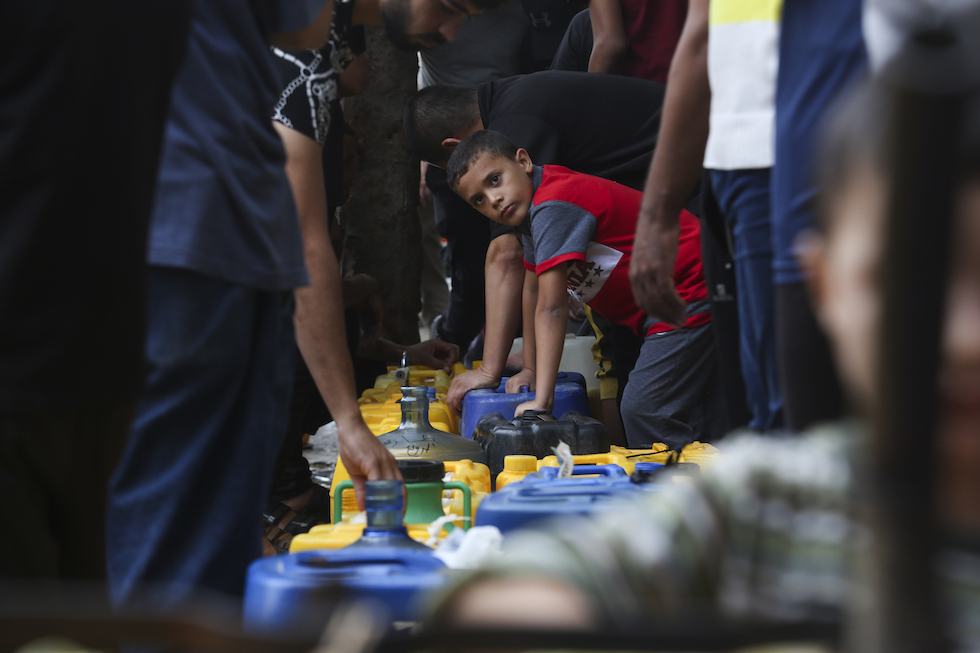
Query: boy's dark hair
[[438, 112], [485, 141]]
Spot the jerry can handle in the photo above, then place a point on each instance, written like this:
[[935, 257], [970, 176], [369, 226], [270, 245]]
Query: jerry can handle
[[467, 500], [603, 470], [338, 500], [611, 470]]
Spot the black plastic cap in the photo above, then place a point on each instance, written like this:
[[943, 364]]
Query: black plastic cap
[[422, 471]]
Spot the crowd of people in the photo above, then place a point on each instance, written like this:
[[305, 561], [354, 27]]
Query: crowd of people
[[709, 178]]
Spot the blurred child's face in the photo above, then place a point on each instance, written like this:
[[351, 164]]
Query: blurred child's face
[[499, 188], [845, 270]]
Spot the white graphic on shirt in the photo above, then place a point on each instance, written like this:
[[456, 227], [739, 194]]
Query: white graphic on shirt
[[586, 278]]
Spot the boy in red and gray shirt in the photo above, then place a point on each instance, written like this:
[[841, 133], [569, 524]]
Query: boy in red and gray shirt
[[577, 233]]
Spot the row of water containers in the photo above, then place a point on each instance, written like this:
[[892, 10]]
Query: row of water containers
[[503, 475]]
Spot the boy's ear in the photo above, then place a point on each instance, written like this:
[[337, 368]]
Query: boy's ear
[[524, 159], [811, 251], [449, 144]]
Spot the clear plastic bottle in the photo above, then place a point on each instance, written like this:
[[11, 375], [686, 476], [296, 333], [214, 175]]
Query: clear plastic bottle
[[416, 439], [383, 501]]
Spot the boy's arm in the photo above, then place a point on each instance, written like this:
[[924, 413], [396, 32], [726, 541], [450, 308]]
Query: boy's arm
[[550, 319], [674, 172], [319, 317], [529, 301]]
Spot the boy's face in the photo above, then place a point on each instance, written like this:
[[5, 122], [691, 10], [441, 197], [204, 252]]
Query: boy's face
[[499, 188]]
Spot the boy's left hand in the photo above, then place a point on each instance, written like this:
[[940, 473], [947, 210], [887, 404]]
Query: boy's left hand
[[534, 404], [523, 378]]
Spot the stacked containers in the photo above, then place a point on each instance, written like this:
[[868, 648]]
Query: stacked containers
[[570, 395], [535, 434], [414, 439], [285, 593]]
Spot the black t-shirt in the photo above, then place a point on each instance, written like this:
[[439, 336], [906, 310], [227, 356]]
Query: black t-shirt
[[83, 110], [603, 125], [576, 47]]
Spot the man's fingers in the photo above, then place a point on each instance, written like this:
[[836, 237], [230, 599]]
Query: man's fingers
[[358, 482]]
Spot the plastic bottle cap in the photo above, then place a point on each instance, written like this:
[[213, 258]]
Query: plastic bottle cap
[[422, 471], [519, 463]]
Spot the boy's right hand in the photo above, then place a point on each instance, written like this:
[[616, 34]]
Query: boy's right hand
[[469, 381], [523, 378]]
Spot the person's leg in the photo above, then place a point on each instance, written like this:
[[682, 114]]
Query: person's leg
[[615, 351], [185, 503], [467, 233], [821, 52], [720, 280], [435, 292], [743, 196], [672, 395], [812, 388], [54, 473]]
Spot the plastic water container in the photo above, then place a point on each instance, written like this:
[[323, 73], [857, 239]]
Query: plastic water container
[[474, 475], [610, 473], [592, 459], [570, 394], [415, 439], [425, 487], [382, 411], [701, 453], [535, 435], [293, 593], [417, 375], [534, 499], [516, 467], [576, 356], [338, 536], [385, 527]]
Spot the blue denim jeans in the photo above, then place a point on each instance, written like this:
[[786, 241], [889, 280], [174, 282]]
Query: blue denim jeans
[[743, 196], [185, 503], [674, 391]]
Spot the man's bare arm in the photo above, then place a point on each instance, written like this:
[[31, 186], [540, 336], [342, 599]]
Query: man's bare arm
[[674, 172], [319, 318], [609, 40]]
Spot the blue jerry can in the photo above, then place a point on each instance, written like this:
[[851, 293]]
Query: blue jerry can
[[292, 594], [570, 394], [541, 495]]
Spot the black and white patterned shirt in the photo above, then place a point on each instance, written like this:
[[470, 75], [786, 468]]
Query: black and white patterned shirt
[[305, 102]]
